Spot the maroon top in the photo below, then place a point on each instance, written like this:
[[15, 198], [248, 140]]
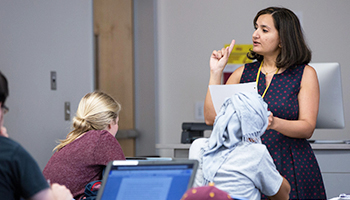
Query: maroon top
[[83, 160]]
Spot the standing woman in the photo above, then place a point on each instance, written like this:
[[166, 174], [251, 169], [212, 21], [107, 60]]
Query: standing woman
[[290, 87], [87, 149]]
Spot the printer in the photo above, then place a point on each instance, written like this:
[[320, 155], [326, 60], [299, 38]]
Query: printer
[[192, 131]]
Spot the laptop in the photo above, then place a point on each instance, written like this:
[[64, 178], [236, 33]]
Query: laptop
[[147, 179]]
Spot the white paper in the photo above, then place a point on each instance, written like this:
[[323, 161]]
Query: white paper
[[220, 92]]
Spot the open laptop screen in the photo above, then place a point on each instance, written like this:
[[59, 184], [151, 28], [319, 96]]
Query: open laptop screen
[[156, 180]]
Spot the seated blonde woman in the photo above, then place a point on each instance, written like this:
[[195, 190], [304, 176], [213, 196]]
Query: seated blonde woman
[[87, 149], [233, 158]]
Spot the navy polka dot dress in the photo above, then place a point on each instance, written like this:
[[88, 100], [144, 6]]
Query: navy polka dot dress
[[294, 158]]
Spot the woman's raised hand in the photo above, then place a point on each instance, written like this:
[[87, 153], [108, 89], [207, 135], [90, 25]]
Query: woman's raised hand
[[218, 59]]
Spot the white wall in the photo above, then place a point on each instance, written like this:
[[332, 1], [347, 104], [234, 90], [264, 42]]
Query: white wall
[[37, 37], [188, 31]]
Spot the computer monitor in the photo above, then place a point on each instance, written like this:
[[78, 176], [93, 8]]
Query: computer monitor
[[330, 113]]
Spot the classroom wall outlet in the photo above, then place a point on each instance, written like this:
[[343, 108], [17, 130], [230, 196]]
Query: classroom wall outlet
[[199, 110]]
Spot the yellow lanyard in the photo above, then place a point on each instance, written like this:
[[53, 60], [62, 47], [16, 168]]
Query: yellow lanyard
[[257, 80]]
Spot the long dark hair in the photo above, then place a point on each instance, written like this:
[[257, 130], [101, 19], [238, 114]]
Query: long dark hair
[[294, 50]]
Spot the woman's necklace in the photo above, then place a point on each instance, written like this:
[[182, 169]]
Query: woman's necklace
[[267, 73], [257, 80]]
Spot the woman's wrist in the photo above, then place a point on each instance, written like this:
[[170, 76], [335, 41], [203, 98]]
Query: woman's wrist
[[216, 71], [215, 77]]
